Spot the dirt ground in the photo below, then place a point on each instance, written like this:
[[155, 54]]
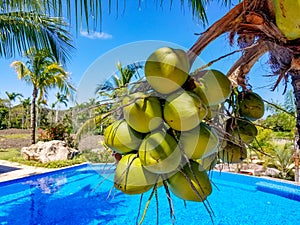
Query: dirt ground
[[18, 138], [14, 138]]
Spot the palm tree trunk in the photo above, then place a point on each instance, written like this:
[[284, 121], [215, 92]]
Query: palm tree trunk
[[9, 114], [295, 74], [33, 114], [56, 113]]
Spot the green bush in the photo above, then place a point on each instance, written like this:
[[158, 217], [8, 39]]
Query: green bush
[[58, 132]]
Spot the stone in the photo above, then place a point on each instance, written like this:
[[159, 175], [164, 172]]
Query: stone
[[272, 172], [49, 151]]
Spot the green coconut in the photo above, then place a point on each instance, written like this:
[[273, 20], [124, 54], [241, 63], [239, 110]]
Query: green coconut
[[212, 86], [131, 177], [212, 111], [287, 17], [251, 105], [191, 184], [167, 69], [208, 162], [233, 153], [120, 137], [159, 153], [184, 111], [142, 113], [199, 142], [241, 129]]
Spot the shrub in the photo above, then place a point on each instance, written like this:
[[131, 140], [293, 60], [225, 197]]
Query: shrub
[[58, 132]]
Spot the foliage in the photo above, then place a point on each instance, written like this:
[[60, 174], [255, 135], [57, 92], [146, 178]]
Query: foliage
[[3, 117], [98, 157], [278, 151], [282, 159], [280, 122], [43, 72], [54, 164], [32, 28], [58, 132]]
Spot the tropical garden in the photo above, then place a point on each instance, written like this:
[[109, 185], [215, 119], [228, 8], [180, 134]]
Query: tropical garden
[[39, 31]]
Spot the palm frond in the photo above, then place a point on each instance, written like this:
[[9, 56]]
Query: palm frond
[[22, 70], [88, 126], [89, 14], [22, 30]]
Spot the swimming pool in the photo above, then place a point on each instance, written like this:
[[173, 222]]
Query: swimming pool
[[71, 196]]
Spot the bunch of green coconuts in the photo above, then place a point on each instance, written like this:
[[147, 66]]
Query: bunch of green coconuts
[[164, 137]]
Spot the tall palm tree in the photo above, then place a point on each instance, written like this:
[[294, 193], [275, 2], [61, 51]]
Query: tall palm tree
[[11, 98], [60, 99], [42, 71]]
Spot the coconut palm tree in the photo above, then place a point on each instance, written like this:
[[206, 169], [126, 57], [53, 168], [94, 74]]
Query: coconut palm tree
[[11, 98], [42, 71], [60, 99], [253, 22], [123, 77]]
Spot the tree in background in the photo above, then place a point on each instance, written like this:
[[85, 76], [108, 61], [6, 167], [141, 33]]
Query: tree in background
[[119, 81], [110, 93], [26, 109], [43, 72], [11, 98], [60, 99], [3, 114]]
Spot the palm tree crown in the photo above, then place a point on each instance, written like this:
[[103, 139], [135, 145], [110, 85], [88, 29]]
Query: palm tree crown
[[44, 73]]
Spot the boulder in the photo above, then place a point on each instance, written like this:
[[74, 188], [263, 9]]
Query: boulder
[[48, 151], [272, 172]]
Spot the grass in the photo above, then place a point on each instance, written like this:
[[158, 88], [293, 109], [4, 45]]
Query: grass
[[7, 154], [14, 155], [54, 164], [15, 136]]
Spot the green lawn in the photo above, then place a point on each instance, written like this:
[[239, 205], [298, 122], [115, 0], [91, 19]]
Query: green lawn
[[7, 154], [15, 136], [14, 155]]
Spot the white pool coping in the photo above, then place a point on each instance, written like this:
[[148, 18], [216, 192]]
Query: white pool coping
[[20, 170]]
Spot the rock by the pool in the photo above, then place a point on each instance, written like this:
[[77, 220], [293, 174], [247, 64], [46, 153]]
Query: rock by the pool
[[48, 151]]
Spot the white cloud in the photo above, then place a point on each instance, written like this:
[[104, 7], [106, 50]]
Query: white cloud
[[96, 35]]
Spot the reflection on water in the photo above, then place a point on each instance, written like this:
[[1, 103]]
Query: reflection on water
[[48, 185]]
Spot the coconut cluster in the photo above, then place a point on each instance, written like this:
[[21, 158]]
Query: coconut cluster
[[165, 138], [240, 129]]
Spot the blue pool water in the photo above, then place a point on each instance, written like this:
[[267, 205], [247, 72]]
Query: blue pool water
[[73, 196]]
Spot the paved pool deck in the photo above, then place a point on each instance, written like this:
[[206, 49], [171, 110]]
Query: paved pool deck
[[12, 170]]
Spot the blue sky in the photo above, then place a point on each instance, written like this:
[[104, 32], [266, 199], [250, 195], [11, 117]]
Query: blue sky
[[140, 25]]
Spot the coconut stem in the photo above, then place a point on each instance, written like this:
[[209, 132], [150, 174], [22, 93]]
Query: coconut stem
[[157, 208], [140, 208], [172, 213], [147, 203]]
